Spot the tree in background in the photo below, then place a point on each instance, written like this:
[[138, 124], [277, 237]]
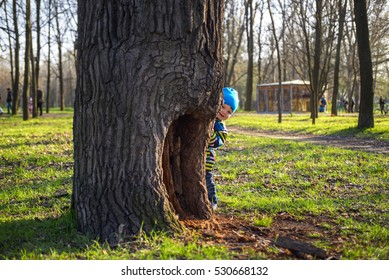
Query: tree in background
[[13, 46], [14, 49], [315, 75], [260, 42], [36, 59], [366, 116], [232, 41], [379, 35], [335, 92], [250, 18], [59, 44], [295, 21], [279, 92], [48, 80], [27, 57]]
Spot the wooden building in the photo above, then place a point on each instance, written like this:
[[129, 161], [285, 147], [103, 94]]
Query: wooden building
[[295, 97]]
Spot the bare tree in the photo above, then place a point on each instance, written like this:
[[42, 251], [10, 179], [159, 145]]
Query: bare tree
[[36, 59], [27, 56], [366, 116], [335, 93], [48, 81], [268, 69], [250, 18], [14, 52], [351, 63], [260, 41], [8, 31], [317, 45], [279, 92], [378, 30], [316, 59], [33, 80], [233, 35], [59, 44]]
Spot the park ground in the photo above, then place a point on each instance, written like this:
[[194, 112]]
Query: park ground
[[293, 237], [290, 192]]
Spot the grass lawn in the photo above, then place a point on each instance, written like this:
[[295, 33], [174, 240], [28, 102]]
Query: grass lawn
[[340, 195], [342, 125]]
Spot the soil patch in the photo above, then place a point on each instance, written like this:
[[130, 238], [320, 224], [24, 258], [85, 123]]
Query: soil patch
[[286, 238]]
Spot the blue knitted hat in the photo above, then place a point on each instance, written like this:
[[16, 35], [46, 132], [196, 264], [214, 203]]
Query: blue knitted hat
[[231, 98]]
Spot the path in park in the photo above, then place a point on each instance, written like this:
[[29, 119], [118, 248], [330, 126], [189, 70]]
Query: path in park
[[353, 143]]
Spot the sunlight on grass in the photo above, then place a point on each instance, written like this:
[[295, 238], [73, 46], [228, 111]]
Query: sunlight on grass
[[263, 221], [345, 192], [282, 176], [342, 125]]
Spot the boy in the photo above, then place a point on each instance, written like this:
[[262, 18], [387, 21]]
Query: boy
[[218, 138]]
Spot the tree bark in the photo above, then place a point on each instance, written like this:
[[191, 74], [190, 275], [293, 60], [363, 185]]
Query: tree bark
[[233, 32], [316, 60], [60, 70], [48, 58], [38, 46], [33, 89], [11, 57], [366, 114], [250, 48], [27, 55], [149, 85], [335, 92], [15, 85], [279, 91], [260, 43]]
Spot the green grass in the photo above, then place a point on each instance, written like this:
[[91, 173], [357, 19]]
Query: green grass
[[35, 195], [263, 221], [348, 188], [342, 125], [345, 191]]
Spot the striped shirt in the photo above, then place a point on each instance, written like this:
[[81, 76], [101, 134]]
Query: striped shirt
[[217, 140]]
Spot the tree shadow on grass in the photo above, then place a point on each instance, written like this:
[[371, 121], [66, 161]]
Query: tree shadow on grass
[[41, 226], [350, 138], [356, 132], [40, 239]]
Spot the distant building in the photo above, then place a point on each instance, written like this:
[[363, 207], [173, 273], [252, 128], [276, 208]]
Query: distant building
[[295, 97]]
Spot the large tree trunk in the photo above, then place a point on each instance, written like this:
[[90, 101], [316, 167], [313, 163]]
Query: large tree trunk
[[148, 87], [366, 115]]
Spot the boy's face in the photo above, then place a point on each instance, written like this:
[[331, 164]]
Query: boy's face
[[225, 112]]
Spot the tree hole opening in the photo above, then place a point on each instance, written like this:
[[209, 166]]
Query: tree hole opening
[[183, 162]]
